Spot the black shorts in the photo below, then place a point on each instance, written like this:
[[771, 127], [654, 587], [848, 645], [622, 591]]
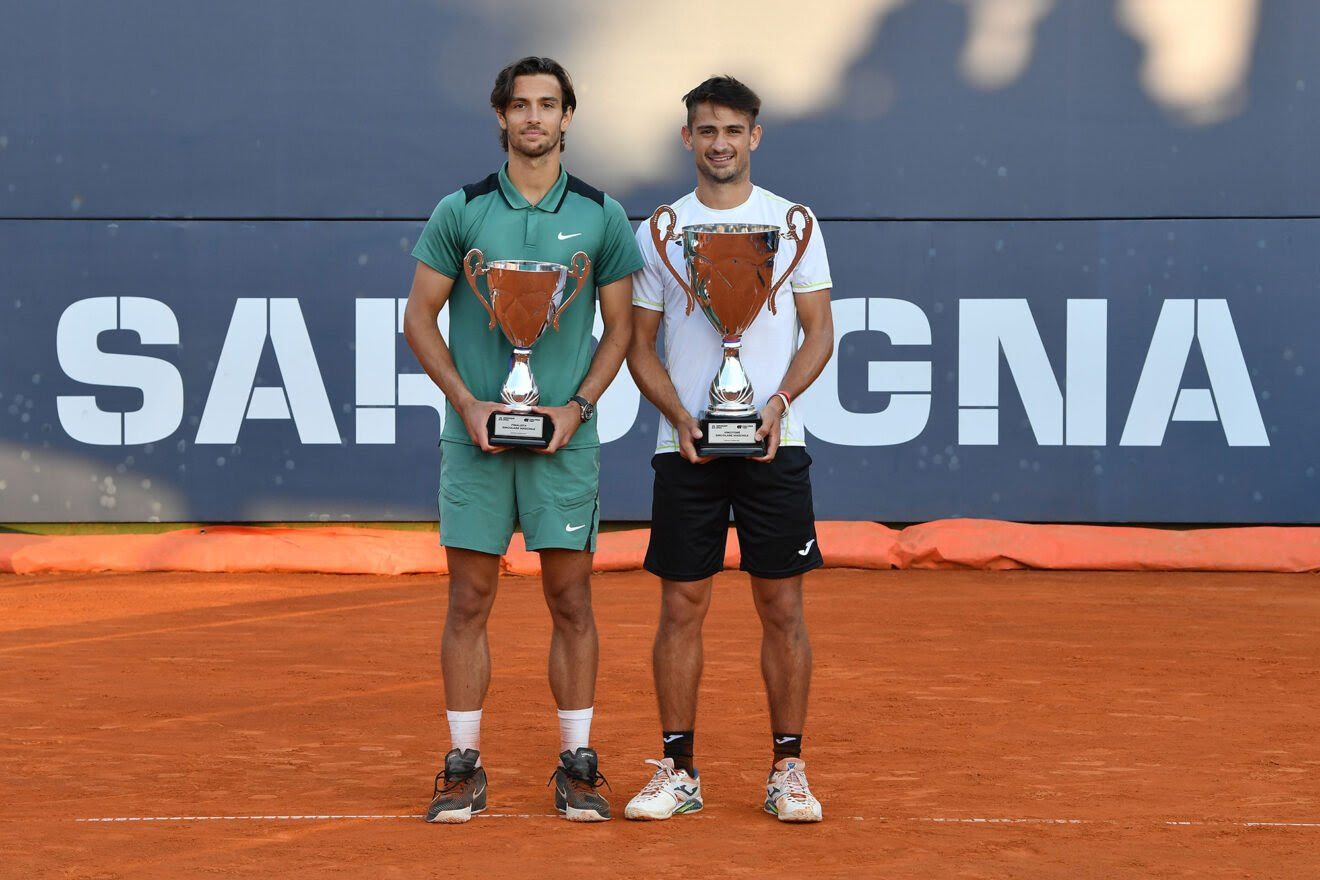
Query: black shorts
[[771, 503]]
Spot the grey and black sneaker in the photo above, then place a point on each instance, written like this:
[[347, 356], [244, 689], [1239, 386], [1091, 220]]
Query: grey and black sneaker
[[577, 780], [460, 789]]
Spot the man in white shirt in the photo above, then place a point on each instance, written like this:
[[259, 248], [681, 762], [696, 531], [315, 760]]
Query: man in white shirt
[[770, 496]]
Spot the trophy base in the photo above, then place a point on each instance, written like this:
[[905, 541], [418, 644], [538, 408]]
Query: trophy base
[[530, 429], [730, 436]]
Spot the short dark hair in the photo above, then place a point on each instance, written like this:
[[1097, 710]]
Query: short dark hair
[[726, 92], [502, 94]]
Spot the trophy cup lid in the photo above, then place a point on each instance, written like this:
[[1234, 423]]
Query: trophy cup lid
[[527, 266], [730, 228]]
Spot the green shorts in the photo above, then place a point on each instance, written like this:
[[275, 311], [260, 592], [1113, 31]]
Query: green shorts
[[554, 497]]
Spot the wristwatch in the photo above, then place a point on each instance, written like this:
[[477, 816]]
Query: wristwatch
[[588, 408]]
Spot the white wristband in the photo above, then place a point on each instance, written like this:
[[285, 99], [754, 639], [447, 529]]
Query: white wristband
[[782, 396]]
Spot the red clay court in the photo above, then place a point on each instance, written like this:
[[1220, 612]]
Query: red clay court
[[963, 724]]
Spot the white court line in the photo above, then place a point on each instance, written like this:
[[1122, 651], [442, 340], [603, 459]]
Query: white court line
[[949, 820], [1003, 821], [245, 818], [307, 818]]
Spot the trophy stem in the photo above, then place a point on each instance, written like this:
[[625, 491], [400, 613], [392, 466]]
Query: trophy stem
[[520, 391], [731, 391]]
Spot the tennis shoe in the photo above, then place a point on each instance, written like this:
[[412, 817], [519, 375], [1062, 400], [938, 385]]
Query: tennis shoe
[[460, 789], [668, 793], [787, 794], [577, 782]]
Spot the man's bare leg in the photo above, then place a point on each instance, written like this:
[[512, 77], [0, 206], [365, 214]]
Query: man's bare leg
[[676, 657], [786, 668], [785, 650], [464, 650], [574, 646], [574, 655]]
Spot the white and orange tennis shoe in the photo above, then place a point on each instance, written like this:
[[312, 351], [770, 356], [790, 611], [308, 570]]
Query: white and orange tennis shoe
[[668, 793], [787, 794]]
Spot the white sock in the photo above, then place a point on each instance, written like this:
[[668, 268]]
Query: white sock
[[465, 730], [574, 728]]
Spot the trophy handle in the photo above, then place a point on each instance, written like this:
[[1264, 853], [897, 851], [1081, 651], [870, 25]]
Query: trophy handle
[[579, 267], [671, 234], [803, 238], [472, 268]]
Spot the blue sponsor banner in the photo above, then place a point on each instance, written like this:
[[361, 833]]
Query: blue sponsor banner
[[1101, 371], [907, 108]]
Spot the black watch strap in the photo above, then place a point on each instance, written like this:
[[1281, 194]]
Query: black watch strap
[[588, 408]]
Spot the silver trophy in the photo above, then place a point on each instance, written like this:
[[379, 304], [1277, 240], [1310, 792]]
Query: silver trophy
[[730, 269], [525, 297]]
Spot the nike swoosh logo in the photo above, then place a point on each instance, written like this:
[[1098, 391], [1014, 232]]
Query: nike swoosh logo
[[807, 549], [569, 528], [786, 739], [670, 739], [563, 237]]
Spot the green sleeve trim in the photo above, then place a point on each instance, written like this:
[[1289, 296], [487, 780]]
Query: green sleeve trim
[[600, 282]]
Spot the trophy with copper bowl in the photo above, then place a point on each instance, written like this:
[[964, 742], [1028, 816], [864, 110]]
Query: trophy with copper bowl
[[730, 269], [526, 296]]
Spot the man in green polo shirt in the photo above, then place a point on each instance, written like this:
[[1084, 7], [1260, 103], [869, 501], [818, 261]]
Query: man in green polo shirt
[[530, 210]]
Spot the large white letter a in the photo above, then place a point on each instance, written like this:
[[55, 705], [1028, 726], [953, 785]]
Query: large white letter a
[[233, 398], [1230, 399]]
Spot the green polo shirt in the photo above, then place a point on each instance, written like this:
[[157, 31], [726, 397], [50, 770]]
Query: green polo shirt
[[493, 215]]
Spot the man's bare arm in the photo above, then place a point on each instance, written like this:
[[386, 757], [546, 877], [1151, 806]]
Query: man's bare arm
[[817, 347], [430, 291], [649, 372], [616, 315], [813, 310]]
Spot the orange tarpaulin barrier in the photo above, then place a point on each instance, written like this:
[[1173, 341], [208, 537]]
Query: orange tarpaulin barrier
[[947, 544], [333, 549], [991, 544]]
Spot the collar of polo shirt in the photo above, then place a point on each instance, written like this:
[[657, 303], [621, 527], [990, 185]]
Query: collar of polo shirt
[[549, 203]]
